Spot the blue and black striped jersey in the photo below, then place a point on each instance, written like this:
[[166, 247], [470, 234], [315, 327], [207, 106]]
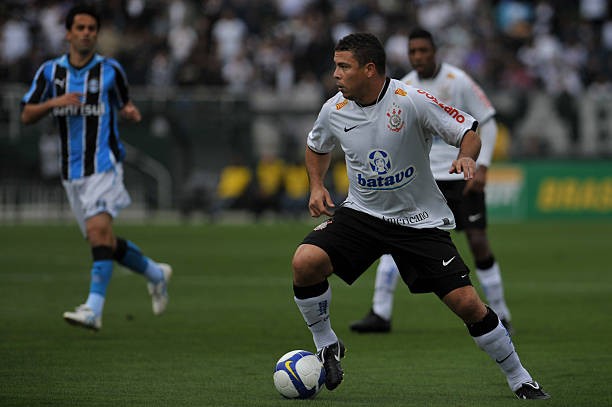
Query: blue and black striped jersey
[[89, 133]]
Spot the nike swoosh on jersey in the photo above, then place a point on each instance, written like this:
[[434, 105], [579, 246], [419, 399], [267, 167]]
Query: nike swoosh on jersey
[[347, 129]]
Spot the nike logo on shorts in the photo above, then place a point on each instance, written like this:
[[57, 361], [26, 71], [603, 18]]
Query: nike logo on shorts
[[447, 262], [474, 217]]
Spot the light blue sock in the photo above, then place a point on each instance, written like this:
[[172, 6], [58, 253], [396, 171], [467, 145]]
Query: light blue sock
[[95, 302], [101, 273], [138, 262]]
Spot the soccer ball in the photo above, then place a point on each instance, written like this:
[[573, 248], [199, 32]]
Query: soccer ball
[[299, 374]]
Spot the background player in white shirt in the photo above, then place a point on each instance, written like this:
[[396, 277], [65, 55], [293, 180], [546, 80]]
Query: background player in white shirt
[[386, 129], [452, 86]]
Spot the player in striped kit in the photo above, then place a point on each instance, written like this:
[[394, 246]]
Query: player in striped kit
[[466, 199], [86, 93], [385, 129]]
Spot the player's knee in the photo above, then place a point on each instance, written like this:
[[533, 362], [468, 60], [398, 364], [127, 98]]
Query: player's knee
[[310, 265], [99, 235], [466, 303], [99, 230]]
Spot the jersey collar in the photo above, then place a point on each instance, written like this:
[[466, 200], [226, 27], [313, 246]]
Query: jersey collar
[[380, 96]]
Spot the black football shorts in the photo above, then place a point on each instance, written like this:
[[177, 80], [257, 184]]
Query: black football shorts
[[469, 210], [427, 259]]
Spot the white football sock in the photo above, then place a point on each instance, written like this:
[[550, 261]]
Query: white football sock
[[498, 344], [315, 311], [492, 285], [95, 302], [387, 275]]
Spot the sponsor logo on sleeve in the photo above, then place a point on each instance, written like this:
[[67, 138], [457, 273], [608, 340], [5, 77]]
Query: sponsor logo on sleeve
[[451, 111]]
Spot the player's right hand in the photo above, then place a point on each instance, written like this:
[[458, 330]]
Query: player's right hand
[[320, 202], [69, 99]]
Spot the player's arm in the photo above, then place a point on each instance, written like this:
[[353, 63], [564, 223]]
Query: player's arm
[[468, 153], [130, 112], [320, 200], [488, 135], [33, 112]]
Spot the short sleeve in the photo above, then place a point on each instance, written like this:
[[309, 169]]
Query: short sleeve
[[320, 138], [446, 121]]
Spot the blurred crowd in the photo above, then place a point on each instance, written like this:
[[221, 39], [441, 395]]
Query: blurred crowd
[[560, 46], [283, 48], [561, 49]]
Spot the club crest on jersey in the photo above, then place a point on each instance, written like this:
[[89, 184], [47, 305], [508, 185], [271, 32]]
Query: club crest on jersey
[[385, 178], [395, 120], [93, 86]]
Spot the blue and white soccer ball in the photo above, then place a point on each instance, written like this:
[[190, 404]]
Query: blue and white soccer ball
[[299, 374]]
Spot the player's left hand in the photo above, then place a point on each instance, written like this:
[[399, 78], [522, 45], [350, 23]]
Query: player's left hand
[[131, 112], [465, 165]]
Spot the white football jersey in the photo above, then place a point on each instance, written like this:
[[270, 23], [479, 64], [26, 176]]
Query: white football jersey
[[386, 147], [454, 87]]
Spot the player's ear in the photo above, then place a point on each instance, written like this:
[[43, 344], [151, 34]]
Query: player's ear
[[370, 69]]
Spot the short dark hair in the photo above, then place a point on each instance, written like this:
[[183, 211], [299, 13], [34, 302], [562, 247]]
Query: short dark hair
[[366, 48], [81, 9], [421, 33]]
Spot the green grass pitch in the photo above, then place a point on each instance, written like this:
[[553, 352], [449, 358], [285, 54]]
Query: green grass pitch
[[231, 315]]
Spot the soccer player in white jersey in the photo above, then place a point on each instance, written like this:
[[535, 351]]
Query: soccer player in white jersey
[[86, 93], [466, 199], [386, 129]]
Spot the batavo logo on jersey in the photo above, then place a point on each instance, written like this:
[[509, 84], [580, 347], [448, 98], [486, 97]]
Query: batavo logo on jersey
[[341, 104], [385, 179], [82, 110], [395, 120], [451, 111]]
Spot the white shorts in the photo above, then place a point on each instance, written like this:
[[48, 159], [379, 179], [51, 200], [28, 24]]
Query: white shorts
[[98, 193]]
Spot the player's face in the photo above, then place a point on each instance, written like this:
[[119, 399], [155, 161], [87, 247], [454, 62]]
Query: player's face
[[83, 34], [349, 75], [422, 56]]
